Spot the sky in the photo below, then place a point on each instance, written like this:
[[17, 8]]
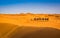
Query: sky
[[26, 6]]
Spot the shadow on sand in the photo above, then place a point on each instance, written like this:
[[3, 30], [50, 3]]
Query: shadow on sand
[[29, 32], [45, 32], [5, 28], [42, 32]]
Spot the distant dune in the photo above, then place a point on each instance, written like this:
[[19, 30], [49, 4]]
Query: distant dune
[[28, 20]]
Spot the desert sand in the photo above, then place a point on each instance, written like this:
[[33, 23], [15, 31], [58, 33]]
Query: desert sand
[[21, 25]]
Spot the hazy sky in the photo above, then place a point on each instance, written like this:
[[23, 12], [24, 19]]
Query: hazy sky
[[34, 6]]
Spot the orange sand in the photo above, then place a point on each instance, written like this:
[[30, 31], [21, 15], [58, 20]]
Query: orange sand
[[27, 20]]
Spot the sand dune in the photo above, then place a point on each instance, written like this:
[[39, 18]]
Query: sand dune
[[44, 33], [14, 31], [6, 29], [34, 32], [23, 25]]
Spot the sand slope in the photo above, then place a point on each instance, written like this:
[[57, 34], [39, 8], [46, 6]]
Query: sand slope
[[20, 24]]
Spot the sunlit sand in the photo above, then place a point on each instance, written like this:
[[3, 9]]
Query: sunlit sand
[[12, 25]]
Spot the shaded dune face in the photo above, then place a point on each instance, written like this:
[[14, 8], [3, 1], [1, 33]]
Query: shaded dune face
[[46, 32], [6, 28], [27, 32], [20, 31], [34, 32]]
